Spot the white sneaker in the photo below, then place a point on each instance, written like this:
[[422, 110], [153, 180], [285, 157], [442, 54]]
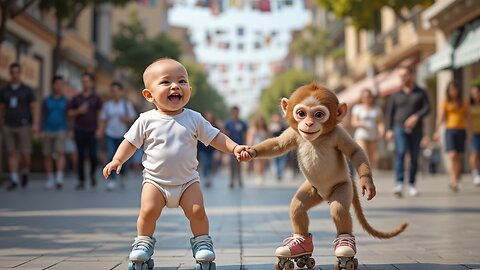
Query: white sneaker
[[412, 191], [50, 183], [476, 180], [398, 190], [111, 185]]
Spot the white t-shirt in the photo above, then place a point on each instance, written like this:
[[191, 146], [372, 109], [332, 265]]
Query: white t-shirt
[[112, 112], [170, 144], [369, 119]]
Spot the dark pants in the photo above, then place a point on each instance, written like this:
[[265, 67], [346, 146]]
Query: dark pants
[[235, 172], [407, 142], [86, 141]]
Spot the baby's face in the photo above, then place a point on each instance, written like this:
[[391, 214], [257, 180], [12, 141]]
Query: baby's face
[[167, 86]]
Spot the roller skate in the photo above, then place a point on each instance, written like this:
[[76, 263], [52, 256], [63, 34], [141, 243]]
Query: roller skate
[[142, 251], [296, 248], [345, 250], [202, 249]]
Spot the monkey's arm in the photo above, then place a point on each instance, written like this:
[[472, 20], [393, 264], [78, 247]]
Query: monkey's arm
[[274, 147], [355, 153]]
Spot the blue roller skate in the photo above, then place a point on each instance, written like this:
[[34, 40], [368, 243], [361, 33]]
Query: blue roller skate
[[202, 249], [142, 251]]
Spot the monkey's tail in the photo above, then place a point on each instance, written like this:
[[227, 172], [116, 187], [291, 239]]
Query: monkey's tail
[[366, 226]]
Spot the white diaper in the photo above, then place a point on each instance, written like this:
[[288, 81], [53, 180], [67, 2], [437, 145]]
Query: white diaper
[[172, 194]]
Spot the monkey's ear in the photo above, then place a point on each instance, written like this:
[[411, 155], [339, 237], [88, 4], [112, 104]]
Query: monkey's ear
[[341, 111], [284, 105]]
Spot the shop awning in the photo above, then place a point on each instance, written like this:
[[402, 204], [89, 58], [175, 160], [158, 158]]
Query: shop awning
[[386, 82], [468, 50], [443, 59]]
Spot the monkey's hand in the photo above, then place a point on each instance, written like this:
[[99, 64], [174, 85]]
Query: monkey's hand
[[246, 155], [238, 150], [366, 184]]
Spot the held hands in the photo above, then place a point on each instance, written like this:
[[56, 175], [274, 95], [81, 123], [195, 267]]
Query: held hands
[[366, 184], [411, 122], [244, 153], [114, 165]]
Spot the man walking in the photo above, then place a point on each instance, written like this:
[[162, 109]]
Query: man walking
[[18, 111], [405, 112]]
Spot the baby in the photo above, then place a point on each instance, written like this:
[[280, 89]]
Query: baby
[[169, 136]]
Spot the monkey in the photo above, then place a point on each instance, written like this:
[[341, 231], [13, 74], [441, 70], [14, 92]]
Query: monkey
[[313, 113]]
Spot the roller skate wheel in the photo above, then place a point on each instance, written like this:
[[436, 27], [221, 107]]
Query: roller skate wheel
[[278, 264], [350, 265], [289, 265], [151, 264], [301, 263], [130, 266], [213, 266], [337, 266], [355, 261], [310, 263], [198, 266]]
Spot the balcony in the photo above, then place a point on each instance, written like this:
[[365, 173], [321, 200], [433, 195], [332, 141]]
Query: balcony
[[403, 40]]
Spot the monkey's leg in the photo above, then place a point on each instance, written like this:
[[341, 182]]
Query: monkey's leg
[[299, 246], [345, 246], [305, 198]]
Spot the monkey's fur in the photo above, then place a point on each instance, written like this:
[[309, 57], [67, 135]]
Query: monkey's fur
[[313, 113]]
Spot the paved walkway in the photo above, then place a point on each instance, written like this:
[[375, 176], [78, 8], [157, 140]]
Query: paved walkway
[[93, 229]]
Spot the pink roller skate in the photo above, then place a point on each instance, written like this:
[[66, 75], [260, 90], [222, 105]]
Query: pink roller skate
[[297, 248], [345, 250]]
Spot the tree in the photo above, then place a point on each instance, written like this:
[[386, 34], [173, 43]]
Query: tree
[[66, 14], [135, 51], [312, 42], [9, 10], [204, 96], [364, 14], [282, 86]]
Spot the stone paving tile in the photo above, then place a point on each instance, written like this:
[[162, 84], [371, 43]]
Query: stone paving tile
[[94, 229]]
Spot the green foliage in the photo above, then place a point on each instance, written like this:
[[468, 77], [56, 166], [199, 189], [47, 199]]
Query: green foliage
[[135, 51], [282, 86], [312, 42], [363, 14], [476, 81], [204, 96], [338, 53]]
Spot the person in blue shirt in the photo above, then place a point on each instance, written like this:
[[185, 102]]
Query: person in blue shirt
[[53, 133], [236, 129]]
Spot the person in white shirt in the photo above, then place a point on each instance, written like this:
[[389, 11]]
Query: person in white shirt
[[367, 119], [116, 116], [169, 136]]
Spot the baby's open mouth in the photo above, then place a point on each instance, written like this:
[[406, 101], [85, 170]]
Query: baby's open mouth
[[175, 97]]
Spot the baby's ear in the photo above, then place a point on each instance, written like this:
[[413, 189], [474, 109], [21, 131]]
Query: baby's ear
[[147, 95]]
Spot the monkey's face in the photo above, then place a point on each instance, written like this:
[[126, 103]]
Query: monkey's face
[[310, 116], [313, 110]]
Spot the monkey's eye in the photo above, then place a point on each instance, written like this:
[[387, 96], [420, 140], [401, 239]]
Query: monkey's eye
[[301, 113], [319, 114]]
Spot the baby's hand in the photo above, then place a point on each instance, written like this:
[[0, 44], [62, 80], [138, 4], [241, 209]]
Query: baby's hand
[[239, 149], [113, 165]]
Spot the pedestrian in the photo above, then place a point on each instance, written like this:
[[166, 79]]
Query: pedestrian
[[236, 129], [19, 114], [276, 127], [116, 116], [454, 112], [367, 119], [84, 110], [257, 133], [206, 153], [53, 129], [405, 112], [169, 135], [475, 118]]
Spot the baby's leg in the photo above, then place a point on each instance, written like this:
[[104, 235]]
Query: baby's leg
[[192, 204], [152, 203]]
